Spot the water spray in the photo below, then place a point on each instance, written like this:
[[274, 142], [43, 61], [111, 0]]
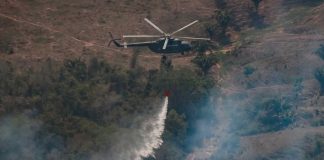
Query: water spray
[[153, 130]]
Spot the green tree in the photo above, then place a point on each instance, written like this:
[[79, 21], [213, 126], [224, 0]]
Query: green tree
[[275, 114], [221, 4], [6, 46], [86, 103], [256, 4], [319, 75], [223, 18], [256, 19], [205, 62], [77, 68], [202, 46], [216, 28], [320, 51], [248, 70], [177, 126]]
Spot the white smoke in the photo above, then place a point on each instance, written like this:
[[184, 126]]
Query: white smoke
[[17, 135], [221, 141], [19, 139]]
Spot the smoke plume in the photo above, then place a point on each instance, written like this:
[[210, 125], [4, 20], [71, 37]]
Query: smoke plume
[[19, 139]]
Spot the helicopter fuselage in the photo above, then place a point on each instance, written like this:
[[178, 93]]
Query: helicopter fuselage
[[174, 46]]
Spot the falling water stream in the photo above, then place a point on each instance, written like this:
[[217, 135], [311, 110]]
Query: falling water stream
[[142, 140], [153, 129]]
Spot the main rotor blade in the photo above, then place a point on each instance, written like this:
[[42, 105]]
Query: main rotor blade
[[184, 27], [141, 36], [165, 43], [153, 25], [194, 38]]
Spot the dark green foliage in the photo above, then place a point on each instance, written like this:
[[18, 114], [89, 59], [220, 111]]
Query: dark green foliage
[[217, 27], [314, 147], [274, 114], [311, 3], [250, 84], [320, 51], [223, 18], [319, 75], [205, 62], [188, 90], [266, 115], [256, 3], [6, 47], [318, 148], [201, 46], [86, 104], [248, 70], [176, 128], [257, 20], [221, 4], [298, 88], [77, 69]]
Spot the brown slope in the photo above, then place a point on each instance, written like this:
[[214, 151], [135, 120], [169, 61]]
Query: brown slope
[[281, 53], [72, 28]]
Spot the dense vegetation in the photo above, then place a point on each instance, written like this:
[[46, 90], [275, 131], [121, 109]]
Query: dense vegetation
[[265, 115], [77, 108], [320, 51], [83, 105], [319, 75]]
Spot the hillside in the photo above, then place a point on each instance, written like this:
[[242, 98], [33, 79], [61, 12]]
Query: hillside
[[275, 63], [39, 30], [263, 100]]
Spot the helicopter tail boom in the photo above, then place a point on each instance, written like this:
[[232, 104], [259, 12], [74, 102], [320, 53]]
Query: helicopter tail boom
[[114, 41]]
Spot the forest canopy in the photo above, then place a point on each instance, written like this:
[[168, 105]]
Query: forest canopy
[[79, 106]]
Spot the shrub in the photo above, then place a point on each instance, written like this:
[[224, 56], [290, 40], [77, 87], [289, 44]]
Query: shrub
[[274, 114], [220, 4], [311, 3], [250, 84], [223, 18], [257, 20], [205, 62], [320, 51], [298, 87], [265, 115], [6, 47], [201, 46], [248, 70], [256, 3], [77, 68], [319, 75], [216, 29], [177, 126]]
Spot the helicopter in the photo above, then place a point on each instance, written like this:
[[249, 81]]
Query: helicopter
[[166, 43]]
